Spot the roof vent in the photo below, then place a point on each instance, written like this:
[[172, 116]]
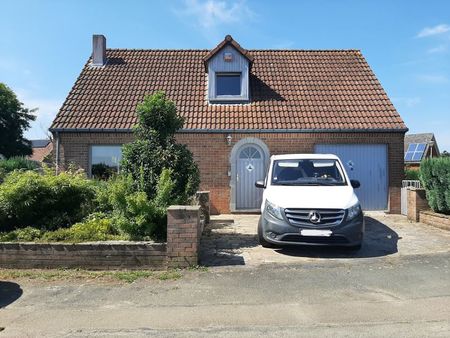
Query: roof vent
[[98, 50]]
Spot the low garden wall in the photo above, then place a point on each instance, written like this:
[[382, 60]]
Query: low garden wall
[[417, 201], [184, 230], [95, 256], [437, 220]]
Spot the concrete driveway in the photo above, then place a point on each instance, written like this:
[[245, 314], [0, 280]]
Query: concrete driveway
[[231, 240]]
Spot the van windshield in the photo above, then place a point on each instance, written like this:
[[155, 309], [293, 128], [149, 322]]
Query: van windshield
[[307, 172]]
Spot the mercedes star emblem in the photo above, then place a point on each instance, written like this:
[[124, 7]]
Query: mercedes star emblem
[[314, 217]]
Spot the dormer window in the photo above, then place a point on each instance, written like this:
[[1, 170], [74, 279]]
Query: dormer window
[[228, 67], [228, 84]]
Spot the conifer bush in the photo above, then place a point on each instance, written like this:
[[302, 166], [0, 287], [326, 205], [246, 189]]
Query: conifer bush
[[435, 178]]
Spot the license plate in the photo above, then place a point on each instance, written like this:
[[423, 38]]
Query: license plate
[[314, 232]]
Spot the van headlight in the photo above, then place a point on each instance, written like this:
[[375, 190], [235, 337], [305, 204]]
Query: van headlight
[[353, 211], [274, 210]]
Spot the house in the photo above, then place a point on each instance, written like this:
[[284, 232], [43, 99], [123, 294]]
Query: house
[[240, 107], [41, 149], [419, 147]]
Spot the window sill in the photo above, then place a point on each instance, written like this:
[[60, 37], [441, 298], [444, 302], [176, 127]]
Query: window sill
[[228, 99]]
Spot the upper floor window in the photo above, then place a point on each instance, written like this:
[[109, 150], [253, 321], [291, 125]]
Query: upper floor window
[[105, 160], [228, 84]]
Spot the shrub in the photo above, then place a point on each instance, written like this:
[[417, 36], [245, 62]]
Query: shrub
[[16, 163], [411, 174], [44, 201], [132, 212], [435, 177], [155, 149], [93, 229], [27, 234]]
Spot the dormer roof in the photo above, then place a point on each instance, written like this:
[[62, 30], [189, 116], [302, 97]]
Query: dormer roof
[[227, 41]]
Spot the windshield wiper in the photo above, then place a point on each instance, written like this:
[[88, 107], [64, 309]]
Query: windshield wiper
[[297, 183]]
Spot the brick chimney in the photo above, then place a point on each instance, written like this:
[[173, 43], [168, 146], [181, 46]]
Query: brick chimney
[[98, 50]]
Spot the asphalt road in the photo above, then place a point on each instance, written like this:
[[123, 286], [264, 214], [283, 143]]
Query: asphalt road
[[373, 297]]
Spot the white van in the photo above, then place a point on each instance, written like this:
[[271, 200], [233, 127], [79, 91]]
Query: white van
[[308, 199]]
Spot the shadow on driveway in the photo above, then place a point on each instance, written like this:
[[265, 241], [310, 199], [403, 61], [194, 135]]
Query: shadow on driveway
[[379, 240], [9, 293], [225, 244]]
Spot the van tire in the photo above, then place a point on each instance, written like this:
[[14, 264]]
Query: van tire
[[261, 239]]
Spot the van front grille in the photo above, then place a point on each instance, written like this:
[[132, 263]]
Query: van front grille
[[301, 217], [314, 239]]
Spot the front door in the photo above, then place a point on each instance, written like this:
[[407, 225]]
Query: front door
[[249, 169]]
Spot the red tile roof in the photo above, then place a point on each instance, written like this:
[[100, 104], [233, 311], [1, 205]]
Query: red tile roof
[[290, 89], [39, 153]]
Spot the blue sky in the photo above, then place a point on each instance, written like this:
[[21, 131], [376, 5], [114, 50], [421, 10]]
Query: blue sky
[[44, 44]]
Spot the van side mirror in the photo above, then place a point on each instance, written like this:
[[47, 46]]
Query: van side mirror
[[355, 184], [260, 184]]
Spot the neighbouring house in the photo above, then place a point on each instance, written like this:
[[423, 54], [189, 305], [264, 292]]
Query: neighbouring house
[[419, 147], [240, 107], [41, 149]]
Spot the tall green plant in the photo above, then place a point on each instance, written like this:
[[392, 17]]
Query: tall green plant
[[132, 212], [155, 148], [435, 177]]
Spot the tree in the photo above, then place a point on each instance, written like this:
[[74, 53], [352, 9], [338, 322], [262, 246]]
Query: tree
[[155, 149], [14, 120]]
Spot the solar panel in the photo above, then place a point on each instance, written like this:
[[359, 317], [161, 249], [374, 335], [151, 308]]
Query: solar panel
[[421, 147], [417, 156], [409, 156], [415, 152], [412, 146]]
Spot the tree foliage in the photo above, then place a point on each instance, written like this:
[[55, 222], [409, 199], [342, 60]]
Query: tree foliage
[[435, 177], [14, 120], [155, 149]]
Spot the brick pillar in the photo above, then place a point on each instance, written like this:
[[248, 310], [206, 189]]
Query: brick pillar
[[202, 198], [183, 235], [417, 201], [394, 200]]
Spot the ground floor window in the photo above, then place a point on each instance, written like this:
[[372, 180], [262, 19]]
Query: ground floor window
[[105, 160]]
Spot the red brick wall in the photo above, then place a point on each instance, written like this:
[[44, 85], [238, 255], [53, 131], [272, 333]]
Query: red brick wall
[[212, 154]]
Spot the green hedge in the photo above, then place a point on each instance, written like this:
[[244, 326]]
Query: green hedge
[[16, 163], [43, 206], [435, 177], [411, 174], [45, 200]]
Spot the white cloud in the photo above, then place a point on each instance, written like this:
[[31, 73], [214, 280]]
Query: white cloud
[[436, 30], [437, 49], [211, 13], [407, 101], [433, 78]]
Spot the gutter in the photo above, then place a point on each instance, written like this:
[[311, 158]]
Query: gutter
[[57, 152], [244, 131]]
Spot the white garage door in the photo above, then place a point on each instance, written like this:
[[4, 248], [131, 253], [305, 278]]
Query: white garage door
[[368, 164]]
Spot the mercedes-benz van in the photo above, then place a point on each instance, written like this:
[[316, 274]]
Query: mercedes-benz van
[[308, 199]]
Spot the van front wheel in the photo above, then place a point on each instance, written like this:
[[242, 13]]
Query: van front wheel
[[261, 239]]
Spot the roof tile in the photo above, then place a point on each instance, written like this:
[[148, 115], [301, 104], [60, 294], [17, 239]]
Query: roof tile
[[296, 89]]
